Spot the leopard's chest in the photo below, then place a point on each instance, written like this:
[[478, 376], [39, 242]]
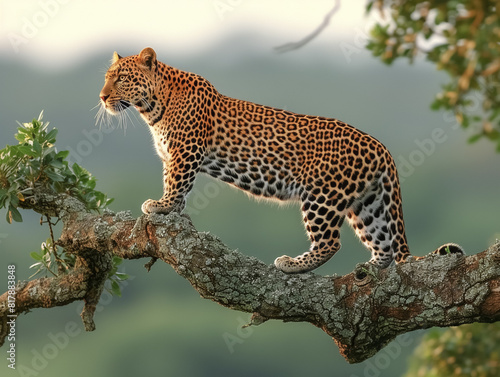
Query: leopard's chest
[[162, 145]]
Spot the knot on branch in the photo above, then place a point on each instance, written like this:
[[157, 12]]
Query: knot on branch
[[365, 274]]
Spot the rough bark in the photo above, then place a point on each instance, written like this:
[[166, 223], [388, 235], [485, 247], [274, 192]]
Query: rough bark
[[362, 311]]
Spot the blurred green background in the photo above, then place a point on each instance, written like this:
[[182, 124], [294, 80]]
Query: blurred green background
[[160, 325]]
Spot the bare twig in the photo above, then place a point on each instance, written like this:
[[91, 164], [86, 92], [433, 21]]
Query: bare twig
[[296, 45]]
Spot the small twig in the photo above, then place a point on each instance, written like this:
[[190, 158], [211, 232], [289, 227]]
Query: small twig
[[150, 263], [60, 263], [296, 45], [51, 231]]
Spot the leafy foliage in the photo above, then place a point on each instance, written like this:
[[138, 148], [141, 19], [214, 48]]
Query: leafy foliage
[[461, 37], [468, 350], [35, 162]]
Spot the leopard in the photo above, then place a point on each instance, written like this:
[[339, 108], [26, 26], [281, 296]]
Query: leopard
[[336, 172]]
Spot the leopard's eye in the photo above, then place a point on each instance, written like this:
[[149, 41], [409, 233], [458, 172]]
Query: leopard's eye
[[122, 78]]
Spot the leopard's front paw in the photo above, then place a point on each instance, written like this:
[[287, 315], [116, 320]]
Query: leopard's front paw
[[155, 206], [289, 265]]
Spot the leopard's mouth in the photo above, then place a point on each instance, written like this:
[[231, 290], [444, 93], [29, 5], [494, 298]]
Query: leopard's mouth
[[123, 105], [115, 108]]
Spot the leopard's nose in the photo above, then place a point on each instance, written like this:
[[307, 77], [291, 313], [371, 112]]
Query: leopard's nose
[[104, 98]]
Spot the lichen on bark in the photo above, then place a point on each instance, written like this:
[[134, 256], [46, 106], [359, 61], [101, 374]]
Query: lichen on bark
[[362, 311]]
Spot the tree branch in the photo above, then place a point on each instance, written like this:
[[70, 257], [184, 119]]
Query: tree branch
[[363, 311], [296, 45]]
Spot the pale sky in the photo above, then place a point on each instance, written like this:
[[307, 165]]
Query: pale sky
[[59, 32]]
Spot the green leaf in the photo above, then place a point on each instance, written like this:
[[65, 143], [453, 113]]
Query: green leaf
[[91, 184], [36, 256], [77, 169], [465, 121], [51, 136], [13, 199], [369, 6], [62, 154], [117, 260], [26, 150], [54, 176], [493, 135], [21, 135], [115, 289], [48, 151], [37, 147], [122, 276], [495, 113], [57, 163], [436, 105], [59, 187], [474, 138], [14, 214]]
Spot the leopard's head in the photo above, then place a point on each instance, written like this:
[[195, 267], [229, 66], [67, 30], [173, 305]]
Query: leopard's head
[[129, 81]]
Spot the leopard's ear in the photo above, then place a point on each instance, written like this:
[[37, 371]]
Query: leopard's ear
[[147, 57], [115, 58]]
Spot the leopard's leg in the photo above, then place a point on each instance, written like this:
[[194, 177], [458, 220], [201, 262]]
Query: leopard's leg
[[323, 222], [178, 180], [377, 219]]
